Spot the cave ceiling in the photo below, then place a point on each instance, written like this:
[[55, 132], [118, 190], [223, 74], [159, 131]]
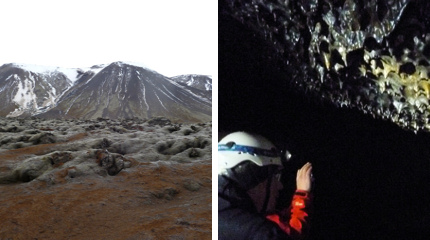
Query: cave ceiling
[[367, 55]]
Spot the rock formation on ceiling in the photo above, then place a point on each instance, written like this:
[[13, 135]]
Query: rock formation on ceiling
[[372, 56]]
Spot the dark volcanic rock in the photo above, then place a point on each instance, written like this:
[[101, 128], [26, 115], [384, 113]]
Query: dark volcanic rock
[[94, 174], [85, 148]]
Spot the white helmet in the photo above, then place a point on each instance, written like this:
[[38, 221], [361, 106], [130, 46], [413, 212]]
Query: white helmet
[[238, 147]]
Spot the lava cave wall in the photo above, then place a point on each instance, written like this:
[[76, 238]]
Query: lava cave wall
[[372, 177]]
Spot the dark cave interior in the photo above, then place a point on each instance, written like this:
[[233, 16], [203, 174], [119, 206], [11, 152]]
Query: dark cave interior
[[372, 177]]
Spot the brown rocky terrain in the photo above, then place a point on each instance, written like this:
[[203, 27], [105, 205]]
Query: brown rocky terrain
[[105, 179]]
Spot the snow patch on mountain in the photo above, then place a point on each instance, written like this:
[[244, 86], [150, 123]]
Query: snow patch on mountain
[[137, 64], [25, 93], [191, 82], [96, 69], [71, 73], [208, 86]]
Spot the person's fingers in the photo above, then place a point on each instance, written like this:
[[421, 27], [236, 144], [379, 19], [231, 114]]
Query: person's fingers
[[306, 167], [309, 170], [304, 177], [305, 171]]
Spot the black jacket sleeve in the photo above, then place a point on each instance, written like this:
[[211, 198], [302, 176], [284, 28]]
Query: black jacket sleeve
[[238, 218]]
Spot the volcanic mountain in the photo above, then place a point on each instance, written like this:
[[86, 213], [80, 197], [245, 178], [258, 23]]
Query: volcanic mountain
[[117, 90], [25, 91]]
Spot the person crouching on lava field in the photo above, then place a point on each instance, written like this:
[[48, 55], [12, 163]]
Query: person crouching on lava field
[[248, 186]]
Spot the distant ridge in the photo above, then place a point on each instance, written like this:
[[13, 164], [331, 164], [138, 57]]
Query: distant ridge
[[202, 82]]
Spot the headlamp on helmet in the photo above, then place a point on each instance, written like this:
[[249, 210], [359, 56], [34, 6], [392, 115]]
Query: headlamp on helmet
[[239, 147]]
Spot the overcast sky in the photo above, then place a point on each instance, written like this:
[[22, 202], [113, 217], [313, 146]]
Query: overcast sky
[[169, 36]]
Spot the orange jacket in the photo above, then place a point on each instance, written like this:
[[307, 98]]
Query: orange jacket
[[294, 220]]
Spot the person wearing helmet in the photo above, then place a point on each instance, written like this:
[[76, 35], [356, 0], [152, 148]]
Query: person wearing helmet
[[249, 168]]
